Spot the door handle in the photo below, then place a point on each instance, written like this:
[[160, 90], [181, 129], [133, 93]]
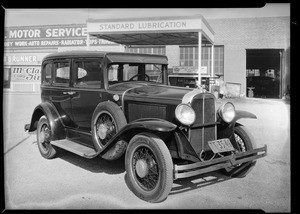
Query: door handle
[[69, 92]]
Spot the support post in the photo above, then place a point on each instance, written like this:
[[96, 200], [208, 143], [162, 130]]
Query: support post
[[199, 57], [88, 41], [212, 73]]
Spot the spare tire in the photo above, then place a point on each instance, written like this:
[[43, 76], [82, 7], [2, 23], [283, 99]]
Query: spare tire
[[108, 119]]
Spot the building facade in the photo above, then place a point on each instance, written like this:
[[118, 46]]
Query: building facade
[[245, 50]]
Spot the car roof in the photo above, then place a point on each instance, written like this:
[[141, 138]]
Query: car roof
[[113, 57]]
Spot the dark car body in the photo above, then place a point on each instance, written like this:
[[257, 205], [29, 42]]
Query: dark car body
[[70, 104]]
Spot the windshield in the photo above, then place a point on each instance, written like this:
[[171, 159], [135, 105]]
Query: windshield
[[118, 73]]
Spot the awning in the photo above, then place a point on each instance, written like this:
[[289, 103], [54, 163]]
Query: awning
[[177, 30], [154, 31]]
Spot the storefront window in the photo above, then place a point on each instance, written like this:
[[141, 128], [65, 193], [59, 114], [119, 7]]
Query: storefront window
[[189, 57], [6, 78], [219, 60]]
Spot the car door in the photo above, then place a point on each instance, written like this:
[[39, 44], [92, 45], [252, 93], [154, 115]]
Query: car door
[[61, 92], [88, 90]]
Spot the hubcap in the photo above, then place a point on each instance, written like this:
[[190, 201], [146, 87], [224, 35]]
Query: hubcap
[[47, 133], [44, 137], [105, 128], [102, 130], [141, 168], [146, 168]]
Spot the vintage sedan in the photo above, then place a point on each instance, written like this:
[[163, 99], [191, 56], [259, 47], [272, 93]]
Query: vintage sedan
[[113, 104]]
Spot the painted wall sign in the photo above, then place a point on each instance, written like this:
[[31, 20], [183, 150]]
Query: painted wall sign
[[14, 59], [54, 43], [189, 70], [49, 36], [44, 32], [26, 74]]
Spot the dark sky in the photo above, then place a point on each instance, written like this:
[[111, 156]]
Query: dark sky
[[28, 17]]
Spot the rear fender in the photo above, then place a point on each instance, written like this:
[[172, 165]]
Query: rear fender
[[47, 109]]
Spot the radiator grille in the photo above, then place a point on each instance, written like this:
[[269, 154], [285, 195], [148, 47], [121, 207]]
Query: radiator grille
[[204, 107]]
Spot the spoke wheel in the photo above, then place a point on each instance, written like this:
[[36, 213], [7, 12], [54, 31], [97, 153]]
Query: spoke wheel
[[245, 142], [108, 119], [149, 168], [44, 138], [146, 168], [105, 127], [240, 142]]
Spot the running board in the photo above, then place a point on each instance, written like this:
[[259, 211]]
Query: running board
[[75, 148]]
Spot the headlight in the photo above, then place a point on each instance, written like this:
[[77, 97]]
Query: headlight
[[227, 112], [185, 114]]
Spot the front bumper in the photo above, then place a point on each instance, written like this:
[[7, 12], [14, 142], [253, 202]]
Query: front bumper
[[188, 170]]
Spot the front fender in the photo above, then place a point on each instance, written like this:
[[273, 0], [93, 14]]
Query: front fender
[[138, 126], [153, 124], [57, 128], [243, 114], [226, 130]]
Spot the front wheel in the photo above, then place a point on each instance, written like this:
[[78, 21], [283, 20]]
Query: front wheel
[[149, 168], [245, 142]]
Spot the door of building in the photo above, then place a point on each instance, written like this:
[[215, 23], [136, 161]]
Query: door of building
[[264, 73]]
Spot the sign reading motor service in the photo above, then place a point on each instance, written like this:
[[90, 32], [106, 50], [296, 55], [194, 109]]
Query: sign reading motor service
[[49, 36]]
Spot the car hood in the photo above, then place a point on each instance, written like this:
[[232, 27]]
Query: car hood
[[149, 92]]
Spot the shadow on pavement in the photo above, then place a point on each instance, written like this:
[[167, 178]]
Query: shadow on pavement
[[10, 149], [199, 181], [95, 165]]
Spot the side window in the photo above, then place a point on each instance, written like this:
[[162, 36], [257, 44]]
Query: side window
[[47, 71], [61, 72], [89, 74]]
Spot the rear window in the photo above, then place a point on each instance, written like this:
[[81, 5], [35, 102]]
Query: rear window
[[47, 71]]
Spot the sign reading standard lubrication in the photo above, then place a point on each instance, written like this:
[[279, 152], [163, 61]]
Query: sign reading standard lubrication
[[172, 25], [142, 25]]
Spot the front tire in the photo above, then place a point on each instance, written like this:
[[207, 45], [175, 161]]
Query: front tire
[[44, 138], [245, 142], [149, 168]]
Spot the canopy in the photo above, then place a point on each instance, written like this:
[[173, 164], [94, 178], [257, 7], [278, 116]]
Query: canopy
[[177, 30], [152, 31]]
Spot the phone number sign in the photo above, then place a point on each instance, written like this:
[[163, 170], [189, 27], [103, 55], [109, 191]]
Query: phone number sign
[[26, 74]]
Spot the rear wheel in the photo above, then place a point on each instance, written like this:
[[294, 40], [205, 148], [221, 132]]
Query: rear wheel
[[149, 168], [245, 142], [44, 138], [108, 119]]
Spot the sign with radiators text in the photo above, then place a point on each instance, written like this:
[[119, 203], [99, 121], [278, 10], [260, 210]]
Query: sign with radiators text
[[49, 36]]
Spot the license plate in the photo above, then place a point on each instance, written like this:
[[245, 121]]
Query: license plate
[[221, 145]]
